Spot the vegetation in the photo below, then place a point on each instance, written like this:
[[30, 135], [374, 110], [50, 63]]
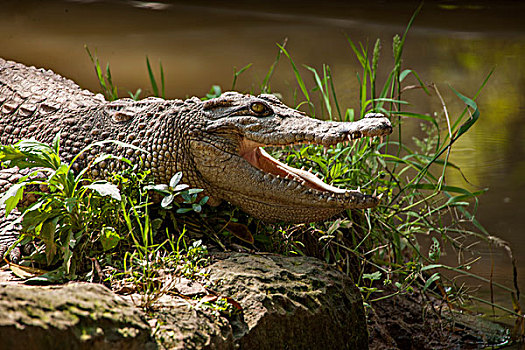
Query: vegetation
[[393, 249], [78, 222]]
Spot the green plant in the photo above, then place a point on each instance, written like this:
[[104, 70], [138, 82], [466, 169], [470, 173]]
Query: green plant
[[153, 81], [175, 189], [104, 78], [80, 218], [380, 246], [109, 89], [68, 218]]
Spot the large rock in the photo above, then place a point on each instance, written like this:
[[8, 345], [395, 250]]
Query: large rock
[[72, 316], [287, 302]]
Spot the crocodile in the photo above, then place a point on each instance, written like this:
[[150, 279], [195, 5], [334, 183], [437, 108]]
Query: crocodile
[[218, 144]]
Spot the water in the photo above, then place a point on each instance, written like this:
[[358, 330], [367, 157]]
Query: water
[[199, 45]]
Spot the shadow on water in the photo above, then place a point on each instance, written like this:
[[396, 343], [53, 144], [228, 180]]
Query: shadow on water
[[451, 42]]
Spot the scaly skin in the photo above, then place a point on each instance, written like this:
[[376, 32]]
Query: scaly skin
[[215, 143]]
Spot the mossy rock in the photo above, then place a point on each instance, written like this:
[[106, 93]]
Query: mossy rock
[[287, 303]]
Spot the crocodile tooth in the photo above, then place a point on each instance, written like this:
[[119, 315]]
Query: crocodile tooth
[[375, 193], [267, 177]]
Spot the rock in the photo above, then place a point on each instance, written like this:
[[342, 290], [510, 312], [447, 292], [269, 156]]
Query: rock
[[72, 316], [287, 302]]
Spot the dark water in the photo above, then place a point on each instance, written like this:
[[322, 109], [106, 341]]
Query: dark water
[[200, 44]]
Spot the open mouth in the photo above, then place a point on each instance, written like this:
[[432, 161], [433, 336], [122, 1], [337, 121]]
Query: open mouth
[[254, 154]]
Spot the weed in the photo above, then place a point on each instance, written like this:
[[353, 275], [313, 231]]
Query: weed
[[109, 89], [104, 78], [79, 218], [153, 80]]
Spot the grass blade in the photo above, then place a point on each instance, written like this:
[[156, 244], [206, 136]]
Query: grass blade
[[300, 80], [152, 79]]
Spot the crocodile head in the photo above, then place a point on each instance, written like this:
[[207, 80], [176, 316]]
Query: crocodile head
[[230, 157]]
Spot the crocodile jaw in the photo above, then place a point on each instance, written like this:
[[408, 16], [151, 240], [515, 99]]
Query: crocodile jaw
[[270, 190], [259, 158]]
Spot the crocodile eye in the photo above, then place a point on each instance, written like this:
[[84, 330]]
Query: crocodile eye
[[259, 108]]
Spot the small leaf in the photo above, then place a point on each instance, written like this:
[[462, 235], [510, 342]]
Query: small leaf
[[47, 234], [434, 252], [166, 201], [12, 196], [25, 272], [175, 179], [430, 267], [105, 188], [181, 187], [240, 231], [372, 276], [52, 277], [109, 238], [56, 143], [160, 188], [431, 280]]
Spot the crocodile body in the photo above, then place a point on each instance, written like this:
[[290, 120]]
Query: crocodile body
[[217, 144]]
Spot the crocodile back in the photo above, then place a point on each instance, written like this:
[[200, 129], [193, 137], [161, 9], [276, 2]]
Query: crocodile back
[[32, 100]]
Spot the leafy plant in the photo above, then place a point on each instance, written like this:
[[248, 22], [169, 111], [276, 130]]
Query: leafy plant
[[175, 189], [380, 246], [109, 89], [80, 218]]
